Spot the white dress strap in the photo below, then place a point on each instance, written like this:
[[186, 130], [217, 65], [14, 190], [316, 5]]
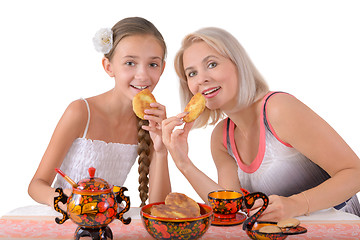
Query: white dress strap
[[88, 121]]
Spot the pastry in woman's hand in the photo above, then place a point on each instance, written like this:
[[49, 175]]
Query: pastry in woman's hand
[[195, 107]]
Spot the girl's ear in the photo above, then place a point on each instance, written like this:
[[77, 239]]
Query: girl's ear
[[107, 66]]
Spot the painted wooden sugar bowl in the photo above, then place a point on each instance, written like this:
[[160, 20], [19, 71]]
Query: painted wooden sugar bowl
[[266, 230], [92, 205]]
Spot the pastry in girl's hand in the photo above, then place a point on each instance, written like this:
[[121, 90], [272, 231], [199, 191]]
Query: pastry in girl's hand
[[195, 107], [141, 101]]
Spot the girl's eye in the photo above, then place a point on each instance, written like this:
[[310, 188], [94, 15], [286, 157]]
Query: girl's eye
[[130, 63], [154, 64], [212, 65]]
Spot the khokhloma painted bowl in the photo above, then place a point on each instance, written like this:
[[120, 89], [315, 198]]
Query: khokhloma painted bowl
[[176, 228]]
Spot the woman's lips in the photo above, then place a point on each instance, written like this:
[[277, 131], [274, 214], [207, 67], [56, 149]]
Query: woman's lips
[[211, 92]]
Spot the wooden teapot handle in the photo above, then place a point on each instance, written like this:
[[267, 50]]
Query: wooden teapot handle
[[249, 202], [61, 198], [119, 197]]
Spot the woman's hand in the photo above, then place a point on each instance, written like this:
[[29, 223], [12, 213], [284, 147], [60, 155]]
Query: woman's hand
[[155, 116], [175, 140], [279, 208]]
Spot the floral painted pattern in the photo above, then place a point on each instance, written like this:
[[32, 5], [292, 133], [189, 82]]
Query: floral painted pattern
[[177, 230], [92, 210]]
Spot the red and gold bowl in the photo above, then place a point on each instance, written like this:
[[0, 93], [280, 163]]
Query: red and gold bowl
[[176, 228]]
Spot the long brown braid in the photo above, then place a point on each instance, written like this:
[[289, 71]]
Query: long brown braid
[[129, 27], [144, 160]]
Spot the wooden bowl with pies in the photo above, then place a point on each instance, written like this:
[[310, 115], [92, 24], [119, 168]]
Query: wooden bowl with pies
[[179, 217]]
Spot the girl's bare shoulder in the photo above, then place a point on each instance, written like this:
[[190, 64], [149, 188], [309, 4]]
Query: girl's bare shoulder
[[75, 116], [77, 110]]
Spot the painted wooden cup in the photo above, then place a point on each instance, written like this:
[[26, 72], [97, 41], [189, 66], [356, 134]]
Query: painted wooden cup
[[225, 203]]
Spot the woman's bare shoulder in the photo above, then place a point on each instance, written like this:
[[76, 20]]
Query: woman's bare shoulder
[[217, 132], [217, 146]]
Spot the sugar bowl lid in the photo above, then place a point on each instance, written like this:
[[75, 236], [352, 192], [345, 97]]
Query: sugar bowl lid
[[93, 184]]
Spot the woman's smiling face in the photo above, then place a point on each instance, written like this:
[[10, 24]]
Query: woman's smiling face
[[212, 74]]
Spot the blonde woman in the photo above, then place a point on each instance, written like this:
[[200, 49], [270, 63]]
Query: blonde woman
[[263, 141]]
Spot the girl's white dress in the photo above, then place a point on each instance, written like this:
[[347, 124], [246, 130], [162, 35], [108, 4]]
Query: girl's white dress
[[112, 161]]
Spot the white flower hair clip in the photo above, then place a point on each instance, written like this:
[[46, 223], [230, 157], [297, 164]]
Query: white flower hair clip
[[103, 40]]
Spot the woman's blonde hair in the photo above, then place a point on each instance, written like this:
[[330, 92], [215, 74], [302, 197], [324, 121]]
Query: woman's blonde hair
[[252, 86]]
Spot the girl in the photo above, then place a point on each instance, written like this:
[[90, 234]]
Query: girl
[[102, 131], [269, 142]]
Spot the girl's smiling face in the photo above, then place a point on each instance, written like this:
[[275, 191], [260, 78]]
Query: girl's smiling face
[[212, 74], [137, 64]]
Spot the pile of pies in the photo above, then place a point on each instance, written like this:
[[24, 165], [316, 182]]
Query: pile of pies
[[195, 107], [177, 205], [141, 101], [284, 224]]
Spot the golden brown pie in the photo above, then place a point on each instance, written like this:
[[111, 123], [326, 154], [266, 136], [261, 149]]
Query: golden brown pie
[[195, 107], [177, 205], [141, 101]]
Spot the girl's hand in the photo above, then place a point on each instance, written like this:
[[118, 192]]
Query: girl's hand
[[175, 140], [279, 208], [155, 116], [67, 192]]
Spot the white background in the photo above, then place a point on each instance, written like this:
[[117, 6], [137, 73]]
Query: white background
[[310, 48]]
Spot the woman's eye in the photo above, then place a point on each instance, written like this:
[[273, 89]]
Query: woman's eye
[[191, 74], [212, 65]]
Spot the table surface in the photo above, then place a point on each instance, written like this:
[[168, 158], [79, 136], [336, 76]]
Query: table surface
[[38, 223]]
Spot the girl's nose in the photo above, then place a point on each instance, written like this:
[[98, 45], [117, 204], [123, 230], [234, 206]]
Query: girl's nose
[[141, 72]]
